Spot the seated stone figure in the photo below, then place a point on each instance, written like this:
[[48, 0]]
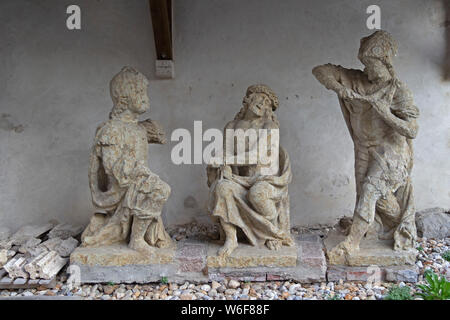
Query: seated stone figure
[[244, 196], [382, 120], [121, 183]]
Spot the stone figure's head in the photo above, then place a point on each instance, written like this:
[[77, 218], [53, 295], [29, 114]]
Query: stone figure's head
[[259, 100], [128, 91], [377, 52]]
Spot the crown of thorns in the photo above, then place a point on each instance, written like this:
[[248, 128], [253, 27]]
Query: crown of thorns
[[262, 88], [380, 45]]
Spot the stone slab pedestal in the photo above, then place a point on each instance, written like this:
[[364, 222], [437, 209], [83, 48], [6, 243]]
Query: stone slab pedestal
[[371, 252], [406, 273], [305, 262], [196, 261], [375, 261]]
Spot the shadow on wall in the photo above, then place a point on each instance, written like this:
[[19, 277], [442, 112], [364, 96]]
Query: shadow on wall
[[447, 36]]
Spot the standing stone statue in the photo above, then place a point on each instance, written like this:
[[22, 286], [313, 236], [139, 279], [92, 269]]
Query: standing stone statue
[[381, 117], [245, 196], [121, 183]]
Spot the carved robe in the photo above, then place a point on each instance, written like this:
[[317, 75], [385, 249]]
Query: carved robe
[[122, 185], [228, 201]]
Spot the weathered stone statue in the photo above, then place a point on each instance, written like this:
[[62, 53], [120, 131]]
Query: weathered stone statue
[[249, 196], [381, 117], [121, 183]]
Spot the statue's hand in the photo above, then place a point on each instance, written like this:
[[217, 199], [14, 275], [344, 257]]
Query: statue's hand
[[347, 94], [141, 170], [155, 132]]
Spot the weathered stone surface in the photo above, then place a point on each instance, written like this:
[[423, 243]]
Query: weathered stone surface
[[406, 273], [32, 268], [402, 273], [189, 264], [3, 257], [30, 244], [117, 255], [30, 231], [65, 231], [141, 273], [45, 266], [191, 256], [6, 244], [64, 247], [246, 256], [381, 117], [433, 223], [15, 267], [50, 265], [119, 158], [310, 266], [372, 252], [251, 196], [67, 247]]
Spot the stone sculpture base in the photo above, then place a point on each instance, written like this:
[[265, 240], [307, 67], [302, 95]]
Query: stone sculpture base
[[406, 273], [371, 252], [246, 256], [196, 261]]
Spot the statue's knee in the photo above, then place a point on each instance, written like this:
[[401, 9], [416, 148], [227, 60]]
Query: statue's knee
[[259, 192]]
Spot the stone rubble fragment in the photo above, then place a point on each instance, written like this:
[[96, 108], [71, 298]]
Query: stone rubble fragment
[[15, 267], [30, 244], [64, 247], [65, 231], [433, 223], [30, 231], [32, 267], [46, 265]]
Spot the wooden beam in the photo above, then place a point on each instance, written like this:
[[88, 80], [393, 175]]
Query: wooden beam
[[446, 25], [161, 13]]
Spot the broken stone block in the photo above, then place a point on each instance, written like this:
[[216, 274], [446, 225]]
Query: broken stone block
[[50, 265], [65, 231], [433, 223], [67, 247], [6, 244], [3, 257], [52, 244], [46, 265], [34, 252], [30, 244], [15, 267], [32, 267], [63, 247], [30, 231]]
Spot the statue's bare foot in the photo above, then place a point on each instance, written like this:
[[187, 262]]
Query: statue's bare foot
[[164, 244], [288, 242], [274, 244], [227, 248], [343, 249], [141, 246], [89, 241]]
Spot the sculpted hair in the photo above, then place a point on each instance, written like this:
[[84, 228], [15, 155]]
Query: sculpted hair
[[260, 88], [121, 86]]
